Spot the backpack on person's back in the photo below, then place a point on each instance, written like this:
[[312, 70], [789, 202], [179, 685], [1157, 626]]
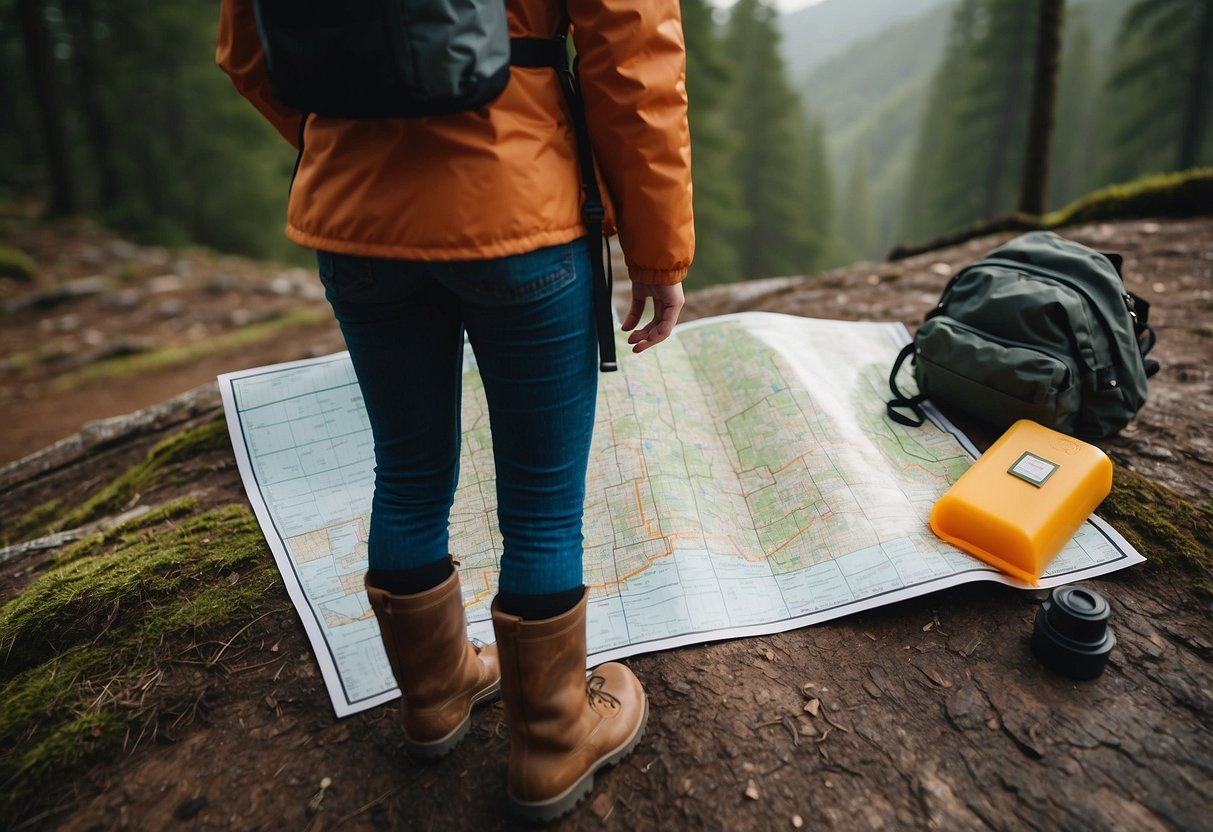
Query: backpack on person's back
[[1042, 329], [385, 58], [369, 59]]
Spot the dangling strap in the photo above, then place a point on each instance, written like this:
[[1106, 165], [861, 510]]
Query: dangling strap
[[298, 156], [901, 400], [553, 52]]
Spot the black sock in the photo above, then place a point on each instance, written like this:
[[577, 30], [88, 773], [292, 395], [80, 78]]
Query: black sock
[[411, 581], [539, 607]]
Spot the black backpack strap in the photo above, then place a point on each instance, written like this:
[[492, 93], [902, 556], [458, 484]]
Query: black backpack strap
[[298, 156], [900, 400], [1117, 261], [539, 53], [1146, 336], [553, 52]]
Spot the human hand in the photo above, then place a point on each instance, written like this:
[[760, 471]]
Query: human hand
[[667, 304]]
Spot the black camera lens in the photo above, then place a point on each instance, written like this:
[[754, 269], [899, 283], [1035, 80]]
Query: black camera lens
[[1072, 636]]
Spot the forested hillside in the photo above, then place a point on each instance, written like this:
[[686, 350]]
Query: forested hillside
[[817, 33], [113, 110], [1135, 104], [873, 95]]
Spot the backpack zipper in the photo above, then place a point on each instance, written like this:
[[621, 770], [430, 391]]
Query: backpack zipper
[[1007, 342]]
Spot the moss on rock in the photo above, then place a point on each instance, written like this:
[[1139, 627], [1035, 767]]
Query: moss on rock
[[79, 645], [1174, 534], [163, 463], [37, 521], [1181, 194], [16, 264]]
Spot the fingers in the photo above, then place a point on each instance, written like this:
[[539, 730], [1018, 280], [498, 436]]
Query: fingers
[[658, 329], [667, 304], [652, 335], [634, 313]]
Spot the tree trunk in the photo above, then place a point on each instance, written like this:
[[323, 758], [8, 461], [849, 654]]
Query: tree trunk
[[1198, 91], [82, 21], [39, 52], [1034, 187]]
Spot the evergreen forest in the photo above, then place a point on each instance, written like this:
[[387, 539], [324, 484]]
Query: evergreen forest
[[810, 151]]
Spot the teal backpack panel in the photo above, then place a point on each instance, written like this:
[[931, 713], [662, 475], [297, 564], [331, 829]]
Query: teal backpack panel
[[385, 58], [1043, 329]]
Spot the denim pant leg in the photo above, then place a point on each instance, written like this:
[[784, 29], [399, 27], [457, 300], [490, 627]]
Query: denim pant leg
[[405, 338], [530, 322]]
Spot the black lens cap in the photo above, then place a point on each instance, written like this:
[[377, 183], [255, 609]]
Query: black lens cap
[[1072, 636]]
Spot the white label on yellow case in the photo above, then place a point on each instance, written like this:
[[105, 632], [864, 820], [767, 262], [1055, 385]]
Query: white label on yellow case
[[1032, 468]]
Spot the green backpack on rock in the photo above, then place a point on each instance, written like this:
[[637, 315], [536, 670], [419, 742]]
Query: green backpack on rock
[[1043, 329]]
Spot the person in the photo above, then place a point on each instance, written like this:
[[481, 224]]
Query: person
[[427, 228]]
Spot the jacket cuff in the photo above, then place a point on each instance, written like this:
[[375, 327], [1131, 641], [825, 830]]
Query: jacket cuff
[[658, 277]]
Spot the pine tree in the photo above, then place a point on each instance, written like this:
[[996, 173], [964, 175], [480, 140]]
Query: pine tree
[[972, 143], [44, 71], [718, 215], [769, 159], [818, 214], [1164, 87], [857, 223], [996, 101], [1074, 150], [21, 150], [120, 111], [87, 43], [924, 213]]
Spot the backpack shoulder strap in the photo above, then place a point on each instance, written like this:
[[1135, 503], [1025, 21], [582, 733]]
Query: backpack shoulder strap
[[901, 401], [553, 53]]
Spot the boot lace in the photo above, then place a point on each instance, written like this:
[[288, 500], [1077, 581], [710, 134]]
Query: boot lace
[[598, 696]]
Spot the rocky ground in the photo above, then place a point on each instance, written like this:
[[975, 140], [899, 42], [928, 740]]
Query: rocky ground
[[107, 328], [927, 714]]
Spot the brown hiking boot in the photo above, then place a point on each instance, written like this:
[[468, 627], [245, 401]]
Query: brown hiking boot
[[440, 673], [563, 726]]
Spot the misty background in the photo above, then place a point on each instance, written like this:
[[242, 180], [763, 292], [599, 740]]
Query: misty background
[[820, 136]]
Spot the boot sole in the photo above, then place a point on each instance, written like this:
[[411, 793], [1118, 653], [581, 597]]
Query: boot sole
[[429, 751], [545, 811]]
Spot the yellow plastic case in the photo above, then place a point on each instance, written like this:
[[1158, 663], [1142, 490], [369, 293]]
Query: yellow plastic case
[[1023, 499]]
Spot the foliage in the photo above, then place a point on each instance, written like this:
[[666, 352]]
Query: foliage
[[1183, 194], [983, 147], [857, 224], [160, 146], [1073, 162], [771, 161], [871, 99], [819, 210], [1163, 88], [35, 522], [87, 648], [16, 264], [718, 214], [161, 464]]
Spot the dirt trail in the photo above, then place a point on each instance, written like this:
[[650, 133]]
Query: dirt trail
[[929, 714]]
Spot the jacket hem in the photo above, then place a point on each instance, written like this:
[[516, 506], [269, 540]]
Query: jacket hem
[[470, 251]]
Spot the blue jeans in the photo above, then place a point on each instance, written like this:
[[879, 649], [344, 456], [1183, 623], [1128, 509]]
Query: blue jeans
[[530, 323]]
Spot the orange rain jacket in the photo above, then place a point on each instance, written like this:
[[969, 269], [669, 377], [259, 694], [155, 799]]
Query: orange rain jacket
[[503, 179]]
